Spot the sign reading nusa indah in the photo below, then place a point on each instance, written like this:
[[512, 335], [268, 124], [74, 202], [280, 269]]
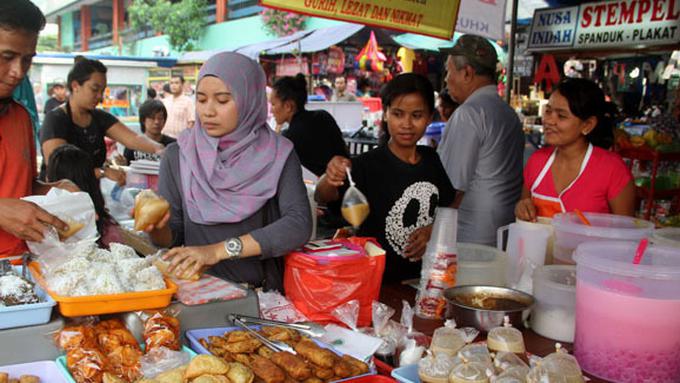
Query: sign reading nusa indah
[[606, 25]]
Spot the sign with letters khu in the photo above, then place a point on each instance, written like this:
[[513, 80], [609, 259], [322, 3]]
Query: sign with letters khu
[[606, 25]]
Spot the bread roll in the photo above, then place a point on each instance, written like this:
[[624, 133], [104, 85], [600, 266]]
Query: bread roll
[[149, 209], [73, 227]]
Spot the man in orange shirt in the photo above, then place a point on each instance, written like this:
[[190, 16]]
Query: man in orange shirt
[[20, 23]]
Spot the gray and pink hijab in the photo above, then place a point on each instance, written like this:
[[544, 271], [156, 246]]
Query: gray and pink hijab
[[228, 179]]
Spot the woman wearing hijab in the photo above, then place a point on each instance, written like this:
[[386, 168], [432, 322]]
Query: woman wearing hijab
[[235, 186]]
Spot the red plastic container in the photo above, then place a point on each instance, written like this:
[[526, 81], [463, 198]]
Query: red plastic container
[[371, 379]]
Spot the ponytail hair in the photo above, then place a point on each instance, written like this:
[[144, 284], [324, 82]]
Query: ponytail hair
[[586, 100], [82, 70], [292, 88]]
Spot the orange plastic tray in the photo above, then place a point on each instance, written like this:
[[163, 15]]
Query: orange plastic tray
[[107, 304]]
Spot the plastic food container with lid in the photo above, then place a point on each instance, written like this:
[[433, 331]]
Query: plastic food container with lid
[[667, 236], [480, 265], [570, 231], [554, 312], [628, 316]]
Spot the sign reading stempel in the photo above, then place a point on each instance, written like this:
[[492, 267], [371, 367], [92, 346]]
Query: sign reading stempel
[[617, 23]]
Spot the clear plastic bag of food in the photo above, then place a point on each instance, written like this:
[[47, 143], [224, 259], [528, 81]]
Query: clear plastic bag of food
[[504, 360], [447, 340], [162, 359], [355, 207], [436, 368], [161, 329], [556, 367], [86, 365], [381, 314], [506, 338], [515, 374], [149, 209], [476, 352], [470, 372]]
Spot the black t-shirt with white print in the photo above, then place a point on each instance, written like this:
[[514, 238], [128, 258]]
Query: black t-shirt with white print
[[402, 198]]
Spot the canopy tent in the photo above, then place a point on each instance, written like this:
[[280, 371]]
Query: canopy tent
[[413, 41], [317, 40]]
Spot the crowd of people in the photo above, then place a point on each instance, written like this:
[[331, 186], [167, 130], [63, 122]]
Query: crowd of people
[[235, 186]]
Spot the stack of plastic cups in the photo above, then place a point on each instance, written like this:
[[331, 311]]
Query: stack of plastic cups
[[440, 263]]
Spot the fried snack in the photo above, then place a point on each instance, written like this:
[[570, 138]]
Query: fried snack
[[173, 376], [12, 380], [294, 366], [344, 369], [243, 347], [115, 338], [265, 351], [323, 373], [206, 365], [211, 379], [125, 362], [238, 373], [217, 341], [161, 331], [110, 378], [4, 377], [163, 265], [315, 354], [108, 324], [237, 336], [74, 337], [242, 358], [217, 351], [361, 367], [313, 379], [266, 370], [290, 380], [73, 227], [87, 365], [149, 209], [29, 379], [280, 333]]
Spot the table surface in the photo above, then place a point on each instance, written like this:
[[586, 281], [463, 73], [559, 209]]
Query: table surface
[[393, 294]]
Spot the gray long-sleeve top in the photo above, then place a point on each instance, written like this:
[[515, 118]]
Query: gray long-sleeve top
[[282, 225]]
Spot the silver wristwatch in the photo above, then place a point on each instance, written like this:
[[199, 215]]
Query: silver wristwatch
[[233, 247]]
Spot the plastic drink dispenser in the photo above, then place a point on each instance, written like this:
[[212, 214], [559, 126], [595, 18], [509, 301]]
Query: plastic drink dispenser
[[627, 315]]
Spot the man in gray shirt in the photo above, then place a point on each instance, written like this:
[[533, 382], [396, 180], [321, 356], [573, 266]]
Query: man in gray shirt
[[341, 93], [482, 146]]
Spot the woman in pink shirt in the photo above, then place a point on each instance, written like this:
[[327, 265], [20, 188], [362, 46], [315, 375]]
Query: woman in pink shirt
[[575, 170]]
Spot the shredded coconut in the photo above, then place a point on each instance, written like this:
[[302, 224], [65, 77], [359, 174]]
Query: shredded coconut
[[15, 290]]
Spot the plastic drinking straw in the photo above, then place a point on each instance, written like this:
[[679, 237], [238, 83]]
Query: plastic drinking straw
[[640, 251], [582, 217]]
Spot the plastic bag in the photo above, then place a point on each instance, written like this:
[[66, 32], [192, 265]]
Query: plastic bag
[[72, 208], [411, 354], [355, 207], [316, 287], [150, 208], [381, 314], [470, 372], [556, 367], [437, 367], [274, 306], [118, 200], [348, 313], [160, 360], [162, 329]]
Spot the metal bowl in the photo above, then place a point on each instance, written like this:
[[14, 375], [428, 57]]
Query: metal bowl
[[484, 307]]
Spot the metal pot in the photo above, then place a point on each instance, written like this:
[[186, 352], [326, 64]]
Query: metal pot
[[484, 307]]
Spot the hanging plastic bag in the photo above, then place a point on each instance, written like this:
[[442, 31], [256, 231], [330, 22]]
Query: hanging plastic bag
[[355, 207], [348, 313]]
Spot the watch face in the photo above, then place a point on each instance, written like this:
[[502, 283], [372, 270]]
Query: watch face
[[234, 247]]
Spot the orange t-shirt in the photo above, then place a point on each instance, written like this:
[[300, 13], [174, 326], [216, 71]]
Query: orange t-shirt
[[18, 166]]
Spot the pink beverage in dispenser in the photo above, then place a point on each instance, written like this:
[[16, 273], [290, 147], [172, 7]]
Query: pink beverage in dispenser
[[628, 316]]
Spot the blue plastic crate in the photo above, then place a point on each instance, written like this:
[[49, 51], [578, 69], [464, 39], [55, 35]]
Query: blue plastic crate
[[197, 334], [30, 314]]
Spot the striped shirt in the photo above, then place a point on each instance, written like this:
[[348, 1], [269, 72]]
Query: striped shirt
[[181, 112]]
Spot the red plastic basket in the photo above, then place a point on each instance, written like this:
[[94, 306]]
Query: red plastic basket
[[371, 379]]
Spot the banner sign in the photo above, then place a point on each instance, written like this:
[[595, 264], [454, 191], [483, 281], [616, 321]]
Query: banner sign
[[482, 17], [436, 18], [610, 24]]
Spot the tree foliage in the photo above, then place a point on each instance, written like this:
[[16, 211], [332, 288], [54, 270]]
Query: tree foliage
[[182, 21], [47, 44]]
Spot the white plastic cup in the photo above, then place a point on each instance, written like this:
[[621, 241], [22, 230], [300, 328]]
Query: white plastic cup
[[527, 244]]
